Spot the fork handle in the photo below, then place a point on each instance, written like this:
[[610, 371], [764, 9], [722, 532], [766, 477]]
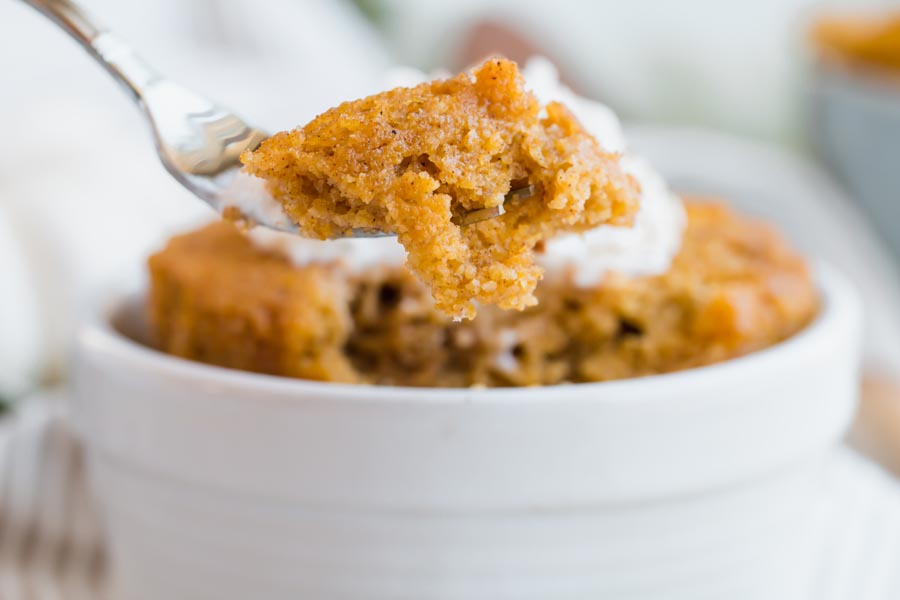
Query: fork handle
[[117, 57]]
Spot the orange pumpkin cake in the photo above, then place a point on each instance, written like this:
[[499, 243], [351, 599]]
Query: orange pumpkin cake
[[734, 287]]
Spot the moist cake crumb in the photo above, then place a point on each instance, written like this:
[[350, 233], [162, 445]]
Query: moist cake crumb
[[412, 161], [214, 297]]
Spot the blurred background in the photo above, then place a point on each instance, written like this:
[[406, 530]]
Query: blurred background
[[727, 97]]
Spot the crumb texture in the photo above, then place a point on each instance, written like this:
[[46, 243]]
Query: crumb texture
[[411, 161], [735, 287], [216, 298]]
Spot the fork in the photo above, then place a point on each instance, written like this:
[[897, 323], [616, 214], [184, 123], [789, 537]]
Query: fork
[[198, 141]]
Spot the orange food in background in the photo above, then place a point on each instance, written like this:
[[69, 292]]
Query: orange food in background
[[860, 40]]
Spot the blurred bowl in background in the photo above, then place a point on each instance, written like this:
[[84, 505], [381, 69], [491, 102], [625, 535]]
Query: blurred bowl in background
[[855, 127]]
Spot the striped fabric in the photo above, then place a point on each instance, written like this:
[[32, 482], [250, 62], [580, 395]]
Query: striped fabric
[[51, 546]]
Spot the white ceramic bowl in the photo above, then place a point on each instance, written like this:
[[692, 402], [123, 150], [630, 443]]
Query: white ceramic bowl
[[226, 485]]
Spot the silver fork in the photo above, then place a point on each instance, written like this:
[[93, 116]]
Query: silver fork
[[198, 141]]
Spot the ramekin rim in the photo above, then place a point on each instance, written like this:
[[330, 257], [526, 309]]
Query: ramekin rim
[[97, 334]]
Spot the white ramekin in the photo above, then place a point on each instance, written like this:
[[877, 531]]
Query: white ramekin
[[225, 485]]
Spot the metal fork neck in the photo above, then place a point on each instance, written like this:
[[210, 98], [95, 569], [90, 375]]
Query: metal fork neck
[[117, 57]]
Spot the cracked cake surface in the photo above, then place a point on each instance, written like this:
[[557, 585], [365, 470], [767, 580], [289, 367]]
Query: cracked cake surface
[[412, 161]]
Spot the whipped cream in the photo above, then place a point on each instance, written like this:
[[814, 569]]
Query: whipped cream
[[646, 248], [357, 254], [249, 195]]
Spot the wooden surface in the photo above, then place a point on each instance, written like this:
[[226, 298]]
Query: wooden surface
[[876, 431]]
